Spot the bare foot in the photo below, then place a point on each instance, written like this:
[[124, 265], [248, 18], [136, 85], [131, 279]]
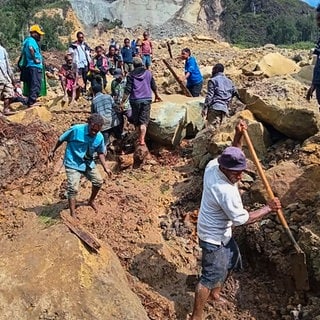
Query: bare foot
[[8, 112], [93, 206], [219, 301], [65, 98]]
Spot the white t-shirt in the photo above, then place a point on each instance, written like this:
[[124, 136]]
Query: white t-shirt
[[221, 207]]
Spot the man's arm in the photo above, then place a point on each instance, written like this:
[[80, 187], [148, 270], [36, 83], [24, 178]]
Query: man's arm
[[32, 52], [52, 153], [272, 206], [102, 159], [237, 139], [155, 90]]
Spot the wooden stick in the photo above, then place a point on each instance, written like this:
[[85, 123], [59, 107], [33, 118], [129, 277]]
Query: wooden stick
[[182, 85]]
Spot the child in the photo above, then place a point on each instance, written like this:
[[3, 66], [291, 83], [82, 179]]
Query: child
[[146, 50]]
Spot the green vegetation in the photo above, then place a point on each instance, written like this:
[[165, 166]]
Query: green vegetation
[[257, 22], [17, 15]]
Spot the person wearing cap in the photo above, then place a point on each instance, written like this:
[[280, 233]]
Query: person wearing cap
[[103, 105], [221, 209], [220, 92], [118, 85], [33, 61], [139, 87]]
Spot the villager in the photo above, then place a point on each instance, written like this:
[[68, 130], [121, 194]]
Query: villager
[[103, 105], [6, 81], [315, 85], [118, 85], [80, 51], [31, 65], [127, 56], [221, 209], [192, 72], [139, 87], [146, 50], [83, 140], [99, 66], [220, 92], [68, 75], [114, 59]]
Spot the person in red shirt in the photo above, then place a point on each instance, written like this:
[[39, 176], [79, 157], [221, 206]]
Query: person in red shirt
[[146, 50]]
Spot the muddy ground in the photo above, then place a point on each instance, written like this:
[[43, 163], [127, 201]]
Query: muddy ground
[[148, 217]]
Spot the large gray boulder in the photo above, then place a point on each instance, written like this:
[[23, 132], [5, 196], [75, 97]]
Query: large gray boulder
[[51, 275], [174, 119], [280, 103]]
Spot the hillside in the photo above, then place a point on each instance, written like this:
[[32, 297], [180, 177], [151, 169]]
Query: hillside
[[258, 22], [247, 22]]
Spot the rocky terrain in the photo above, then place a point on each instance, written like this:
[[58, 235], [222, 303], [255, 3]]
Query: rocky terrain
[[149, 260]]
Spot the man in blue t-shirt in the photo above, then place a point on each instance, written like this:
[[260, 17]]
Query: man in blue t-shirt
[[83, 140], [33, 61], [127, 56], [192, 73]]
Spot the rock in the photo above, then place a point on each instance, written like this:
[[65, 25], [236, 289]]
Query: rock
[[55, 276], [249, 68], [290, 183], [305, 74], [174, 118], [204, 38], [275, 64], [296, 121], [206, 72], [30, 115], [258, 133], [269, 46]]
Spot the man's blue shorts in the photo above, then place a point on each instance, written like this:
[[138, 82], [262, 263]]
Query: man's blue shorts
[[146, 60], [217, 262]]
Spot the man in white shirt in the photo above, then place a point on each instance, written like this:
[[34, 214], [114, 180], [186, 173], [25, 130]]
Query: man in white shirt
[[81, 56], [221, 208]]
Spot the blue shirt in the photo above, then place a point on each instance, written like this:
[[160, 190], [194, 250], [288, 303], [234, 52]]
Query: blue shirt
[[81, 147], [127, 54], [31, 42], [191, 66]]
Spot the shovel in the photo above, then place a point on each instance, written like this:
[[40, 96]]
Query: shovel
[[299, 266]]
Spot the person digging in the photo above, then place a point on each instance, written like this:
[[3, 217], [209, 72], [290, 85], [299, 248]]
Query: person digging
[[83, 140], [221, 208]]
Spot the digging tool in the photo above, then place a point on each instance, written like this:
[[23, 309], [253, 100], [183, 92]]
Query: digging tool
[[182, 85], [299, 266], [169, 49]]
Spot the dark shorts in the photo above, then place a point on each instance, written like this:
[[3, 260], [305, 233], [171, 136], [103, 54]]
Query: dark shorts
[[195, 89], [115, 131], [146, 60], [140, 111], [215, 118], [318, 93], [217, 262]]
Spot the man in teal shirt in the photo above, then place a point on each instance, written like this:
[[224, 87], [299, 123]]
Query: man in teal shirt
[[83, 140], [33, 63]]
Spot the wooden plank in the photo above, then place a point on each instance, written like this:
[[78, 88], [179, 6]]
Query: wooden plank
[[169, 49], [182, 85], [84, 235]]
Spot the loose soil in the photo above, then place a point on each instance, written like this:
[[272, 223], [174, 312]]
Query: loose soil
[[148, 217]]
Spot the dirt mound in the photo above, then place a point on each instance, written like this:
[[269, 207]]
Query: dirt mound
[[24, 149]]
